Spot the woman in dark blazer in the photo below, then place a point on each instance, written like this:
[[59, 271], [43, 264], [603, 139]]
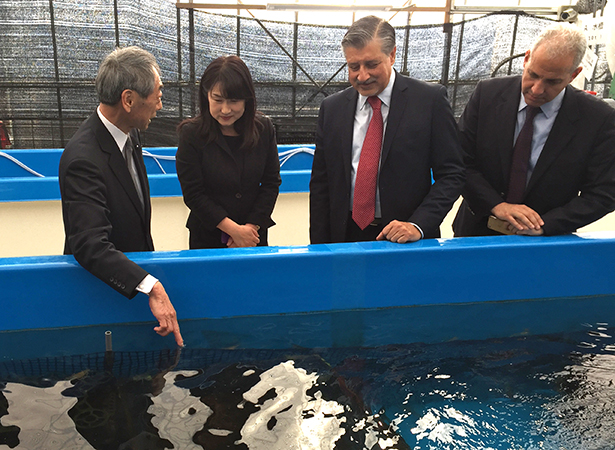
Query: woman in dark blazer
[[227, 161]]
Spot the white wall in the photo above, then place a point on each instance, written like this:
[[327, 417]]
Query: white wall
[[35, 228]]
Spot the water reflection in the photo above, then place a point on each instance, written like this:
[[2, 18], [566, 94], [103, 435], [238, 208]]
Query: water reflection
[[549, 392], [584, 417], [548, 409], [177, 414], [39, 417]]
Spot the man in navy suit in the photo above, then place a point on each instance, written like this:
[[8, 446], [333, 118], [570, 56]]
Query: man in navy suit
[[105, 193], [419, 137], [569, 176]]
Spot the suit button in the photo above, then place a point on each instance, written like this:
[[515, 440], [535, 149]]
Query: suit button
[[123, 286], [237, 195]]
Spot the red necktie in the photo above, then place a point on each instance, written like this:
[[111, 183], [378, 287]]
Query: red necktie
[[521, 157], [364, 203]]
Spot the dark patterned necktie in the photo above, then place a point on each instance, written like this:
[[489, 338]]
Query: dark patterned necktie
[[364, 202], [521, 157], [132, 168]]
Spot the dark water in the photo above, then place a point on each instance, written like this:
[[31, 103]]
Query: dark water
[[540, 392]]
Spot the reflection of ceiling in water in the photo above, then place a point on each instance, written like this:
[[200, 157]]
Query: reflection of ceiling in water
[[301, 421], [178, 415], [548, 392], [285, 406], [43, 419]]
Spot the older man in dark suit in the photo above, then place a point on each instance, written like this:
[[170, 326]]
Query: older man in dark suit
[[377, 144], [105, 193], [565, 177]]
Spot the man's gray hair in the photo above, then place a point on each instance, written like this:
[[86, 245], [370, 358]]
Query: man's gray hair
[[126, 68], [563, 39], [364, 30]]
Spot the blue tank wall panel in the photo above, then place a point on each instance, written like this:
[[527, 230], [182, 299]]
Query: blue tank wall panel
[[54, 291], [18, 184]]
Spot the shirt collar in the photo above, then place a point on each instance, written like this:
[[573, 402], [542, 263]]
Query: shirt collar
[[548, 109], [384, 96], [118, 135]]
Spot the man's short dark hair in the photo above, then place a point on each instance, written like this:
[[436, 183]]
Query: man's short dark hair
[[366, 29]]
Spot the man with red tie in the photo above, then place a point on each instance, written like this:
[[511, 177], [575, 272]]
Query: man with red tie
[[540, 154], [377, 145]]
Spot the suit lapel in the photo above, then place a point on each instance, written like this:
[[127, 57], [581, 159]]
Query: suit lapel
[[560, 134], [400, 97], [221, 142], [141, 172], [506, 119], [118, 166], [347, 129]]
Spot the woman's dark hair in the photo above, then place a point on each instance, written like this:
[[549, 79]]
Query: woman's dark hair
[[233, 78]]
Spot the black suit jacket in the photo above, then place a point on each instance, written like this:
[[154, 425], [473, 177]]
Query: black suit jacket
[[216, 184], [420, 137], [103, 217], [573, 183]]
